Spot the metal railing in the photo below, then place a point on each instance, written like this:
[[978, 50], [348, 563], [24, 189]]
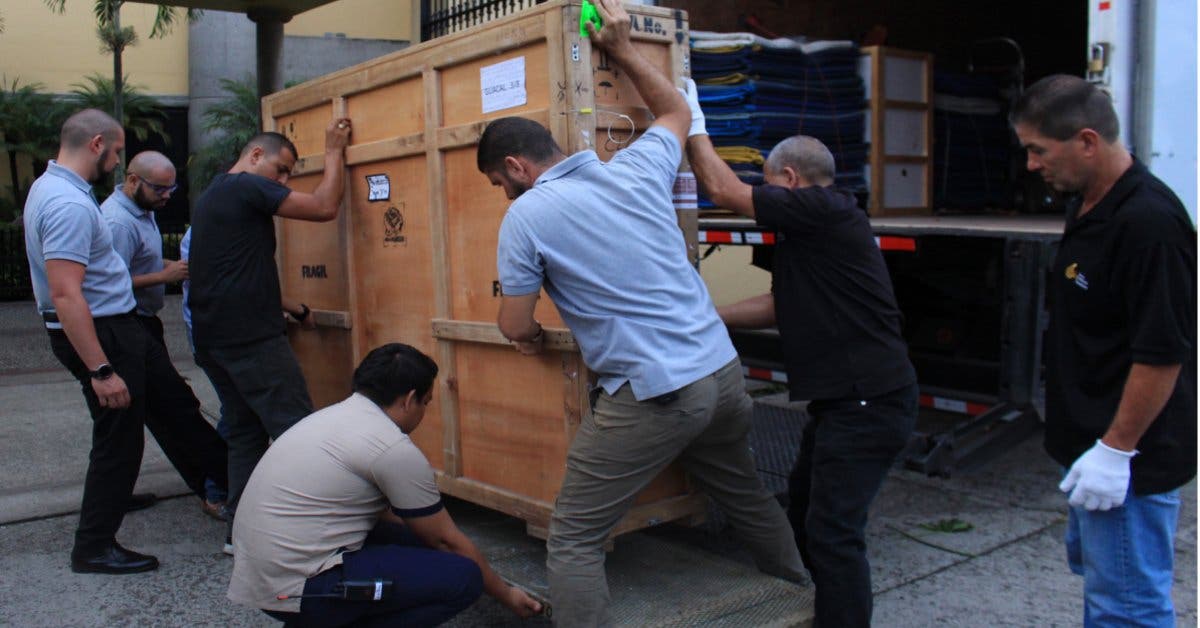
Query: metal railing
[[442, 17], [14, 265]]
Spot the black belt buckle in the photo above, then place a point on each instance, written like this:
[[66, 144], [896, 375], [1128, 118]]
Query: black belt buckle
[[666, 399]]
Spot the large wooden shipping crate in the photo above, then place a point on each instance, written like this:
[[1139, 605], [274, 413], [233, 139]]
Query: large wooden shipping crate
[[412, 255]]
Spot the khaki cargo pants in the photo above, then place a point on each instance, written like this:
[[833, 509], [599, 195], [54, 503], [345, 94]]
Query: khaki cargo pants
[[624, 445]]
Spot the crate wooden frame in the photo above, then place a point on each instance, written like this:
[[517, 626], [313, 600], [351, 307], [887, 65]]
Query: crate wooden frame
[[572, 111], [879, 105]]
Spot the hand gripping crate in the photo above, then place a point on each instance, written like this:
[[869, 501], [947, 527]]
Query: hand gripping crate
[[411, 256]]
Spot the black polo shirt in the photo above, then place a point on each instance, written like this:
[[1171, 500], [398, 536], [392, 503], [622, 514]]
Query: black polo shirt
[[234, 294], [1124, 290], [834, 304]]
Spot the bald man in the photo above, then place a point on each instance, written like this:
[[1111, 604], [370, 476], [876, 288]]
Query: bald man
[[85, 296], [129, 212], [832, 300]]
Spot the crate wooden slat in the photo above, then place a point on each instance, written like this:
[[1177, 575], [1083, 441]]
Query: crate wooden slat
[[900, 130], [420, 267]]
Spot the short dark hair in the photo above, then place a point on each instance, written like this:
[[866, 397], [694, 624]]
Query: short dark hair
[[82, 126], [1060, 105], [514, 136], [271, 143], [392, 371]]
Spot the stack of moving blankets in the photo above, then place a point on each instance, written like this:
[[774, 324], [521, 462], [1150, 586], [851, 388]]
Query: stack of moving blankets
[[973, 144], [756, 92]]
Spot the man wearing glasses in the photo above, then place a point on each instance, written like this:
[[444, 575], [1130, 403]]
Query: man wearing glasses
[[129, 212]]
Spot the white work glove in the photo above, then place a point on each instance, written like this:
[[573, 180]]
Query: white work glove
[[1100, 478], [693, 100]]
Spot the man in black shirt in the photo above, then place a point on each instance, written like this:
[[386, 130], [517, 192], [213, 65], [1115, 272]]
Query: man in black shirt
[[1121, 352], [237, 324], [833, 302]]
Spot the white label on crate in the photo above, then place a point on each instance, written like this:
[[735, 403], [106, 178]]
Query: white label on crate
[[379, 188], [683, 193], [503, 85], [950, 405]]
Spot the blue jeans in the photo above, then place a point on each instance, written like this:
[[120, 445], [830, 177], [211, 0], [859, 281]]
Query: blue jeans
[[1126, 558], [429, 586]]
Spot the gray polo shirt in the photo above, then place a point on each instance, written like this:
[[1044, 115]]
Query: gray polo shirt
[[603, 240], [63, 221], [137, 240]]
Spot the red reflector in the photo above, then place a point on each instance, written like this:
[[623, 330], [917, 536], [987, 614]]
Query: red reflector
[[764, 374], [1104, 6], [716, 237], [892, 243], [953, 405]]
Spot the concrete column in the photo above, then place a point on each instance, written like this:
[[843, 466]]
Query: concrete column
[[269, 31]]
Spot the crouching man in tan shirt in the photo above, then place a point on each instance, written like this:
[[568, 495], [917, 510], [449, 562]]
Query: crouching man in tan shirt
[[309, 521]]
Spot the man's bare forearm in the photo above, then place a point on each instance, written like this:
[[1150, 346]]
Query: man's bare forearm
[[753, 313], [76, 319], [1147, 390]]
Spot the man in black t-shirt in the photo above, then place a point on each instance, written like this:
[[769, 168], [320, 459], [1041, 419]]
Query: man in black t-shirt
[[237, 324], [1121, 352], [833, 302]]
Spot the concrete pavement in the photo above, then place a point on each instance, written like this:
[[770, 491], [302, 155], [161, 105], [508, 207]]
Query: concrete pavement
[[1008, 569]]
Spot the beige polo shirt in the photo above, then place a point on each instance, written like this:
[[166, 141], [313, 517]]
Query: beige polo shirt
[[316, 493]]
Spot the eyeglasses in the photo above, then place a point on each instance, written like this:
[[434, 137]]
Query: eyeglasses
[[161, 190]]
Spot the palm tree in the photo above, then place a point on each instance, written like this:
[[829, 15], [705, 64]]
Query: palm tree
[[231, 122], [140, 114], [115, 39], [30, 121]]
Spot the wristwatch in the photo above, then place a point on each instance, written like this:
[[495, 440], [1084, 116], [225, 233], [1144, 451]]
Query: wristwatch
[[102, 372], [304, 312]]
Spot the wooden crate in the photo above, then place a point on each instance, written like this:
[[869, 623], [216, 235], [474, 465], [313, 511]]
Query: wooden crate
[[414, 260], [899, 129]]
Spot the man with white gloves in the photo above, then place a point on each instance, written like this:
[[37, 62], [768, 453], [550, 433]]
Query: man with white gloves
[[1121, 352]]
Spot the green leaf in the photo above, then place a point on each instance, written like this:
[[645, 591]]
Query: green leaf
[[950, 526]]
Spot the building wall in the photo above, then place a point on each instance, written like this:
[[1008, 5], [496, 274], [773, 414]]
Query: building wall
[[222, 46], [358, 19], [58, 50]]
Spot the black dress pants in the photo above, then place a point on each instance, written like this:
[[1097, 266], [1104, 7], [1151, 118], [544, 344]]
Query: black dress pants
[[846, 449], [160, 400]]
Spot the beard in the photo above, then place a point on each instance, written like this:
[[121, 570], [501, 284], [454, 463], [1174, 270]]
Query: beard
[[143, 200], [519, 189], [98, 174]]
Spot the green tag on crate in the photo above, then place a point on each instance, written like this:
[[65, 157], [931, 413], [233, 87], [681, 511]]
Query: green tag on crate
[[589, 14]]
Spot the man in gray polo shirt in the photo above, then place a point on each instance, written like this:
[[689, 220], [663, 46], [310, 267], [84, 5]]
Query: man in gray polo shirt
[[129, 212], [85, 296], [602, 239]]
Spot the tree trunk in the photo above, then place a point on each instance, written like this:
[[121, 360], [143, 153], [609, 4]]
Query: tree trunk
[[118, 88], [16, 185]]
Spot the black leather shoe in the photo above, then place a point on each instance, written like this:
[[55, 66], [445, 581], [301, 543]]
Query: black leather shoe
[[114, 560], [139, 501]]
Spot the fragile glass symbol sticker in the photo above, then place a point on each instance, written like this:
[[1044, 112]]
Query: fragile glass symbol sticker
[[379, 188], [393, 225], [502, 85]]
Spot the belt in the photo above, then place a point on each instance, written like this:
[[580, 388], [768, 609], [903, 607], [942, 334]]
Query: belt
[[52, 322], [666, 398]]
